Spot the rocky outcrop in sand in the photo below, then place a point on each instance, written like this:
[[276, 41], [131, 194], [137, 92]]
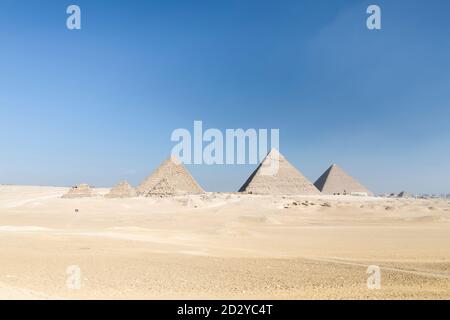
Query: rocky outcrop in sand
[[336, 181], [80, 191], [285, 179], [171, 178], [122, 190]]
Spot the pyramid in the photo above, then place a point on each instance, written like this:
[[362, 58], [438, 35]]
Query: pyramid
[[80, 191], [404, 194], [271, 177], [171, 178], [337, 181], [122, 190], [162, 188]]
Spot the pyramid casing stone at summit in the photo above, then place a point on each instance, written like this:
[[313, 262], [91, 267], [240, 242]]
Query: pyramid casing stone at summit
[[80, 191], [285, 180], [122, 190], [336, 181], [170, 178]]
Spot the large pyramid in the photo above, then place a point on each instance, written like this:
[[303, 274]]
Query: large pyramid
[[171, 178], [337, 181], [122, 190], [275, 175]]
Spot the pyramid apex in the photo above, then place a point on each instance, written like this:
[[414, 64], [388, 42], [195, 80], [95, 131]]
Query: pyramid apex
[[273, 153], [334, 167], [124, 183], [174, 158]]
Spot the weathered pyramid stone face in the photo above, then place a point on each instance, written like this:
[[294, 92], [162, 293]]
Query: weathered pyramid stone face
[[275, 175], [122, 190], [80, 191], [171, 178], [336, 181], [162, 188]]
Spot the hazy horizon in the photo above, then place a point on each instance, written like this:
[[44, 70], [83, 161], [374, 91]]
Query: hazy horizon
[[98, 105]]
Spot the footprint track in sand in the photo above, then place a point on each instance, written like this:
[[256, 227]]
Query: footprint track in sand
[[365, 265]]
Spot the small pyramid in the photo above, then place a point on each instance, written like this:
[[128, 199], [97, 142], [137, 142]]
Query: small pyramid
[[336, 181], [275, 175], [171, 178], [162, 188], [122, 190], [404, 194], [80, 191]]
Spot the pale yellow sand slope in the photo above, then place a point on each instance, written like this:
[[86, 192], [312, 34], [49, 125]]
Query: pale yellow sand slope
[[221, 246]]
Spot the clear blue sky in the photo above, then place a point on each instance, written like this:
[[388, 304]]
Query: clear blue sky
[[98, 105]]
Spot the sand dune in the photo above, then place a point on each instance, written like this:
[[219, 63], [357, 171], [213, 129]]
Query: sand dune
[[221, 246]]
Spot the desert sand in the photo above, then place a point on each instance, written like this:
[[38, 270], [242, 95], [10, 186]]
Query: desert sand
[[221, 246]]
